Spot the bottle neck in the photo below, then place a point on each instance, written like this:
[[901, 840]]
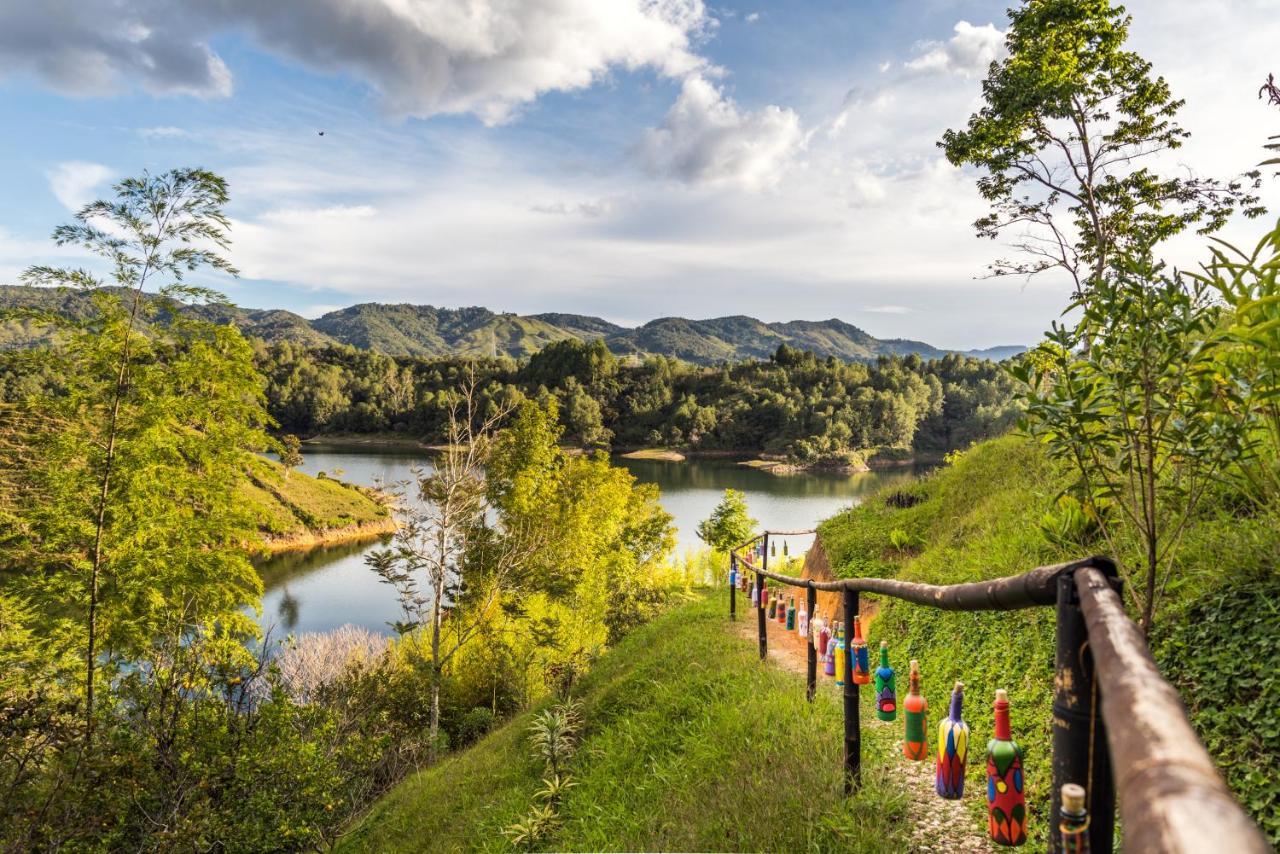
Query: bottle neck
[[884, 657], [1002, 721], [913, 684], [857, 630], [957, 705]]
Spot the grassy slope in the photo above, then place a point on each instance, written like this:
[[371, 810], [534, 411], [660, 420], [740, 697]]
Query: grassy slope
[[690, 745], [979, 519], [299, 505]]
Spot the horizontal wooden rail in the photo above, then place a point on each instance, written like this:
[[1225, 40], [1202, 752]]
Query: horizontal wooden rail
[[1029, 590], [1171, 797]]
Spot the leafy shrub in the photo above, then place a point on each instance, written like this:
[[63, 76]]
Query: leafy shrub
[[474, 724], [1220, 654]]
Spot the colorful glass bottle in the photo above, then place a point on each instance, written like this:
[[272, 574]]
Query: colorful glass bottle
[[773, 549], [861, 658], [1074, 823], [733, 575], [1006, 803], [791, 614], [886, 692], [953, 748], [914, 705], [755, 597], [802, 622], [838, 642], [773, 605], [824, 635], [829, 659], [784, 548]]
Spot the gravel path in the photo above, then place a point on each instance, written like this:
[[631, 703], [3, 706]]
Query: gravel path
[[938, 826]]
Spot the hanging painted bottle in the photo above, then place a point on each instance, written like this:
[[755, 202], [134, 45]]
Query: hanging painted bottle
[[861, 660], [773, 549], [784, 548], [802, 622], [791, 614], [953, 748], [915, 709], [782, 611], [773, 604], [1006, 803], [838, 641], [1074, 821], [733, 575], [829, 659], [824, 635], [755, 597], [886, 691]]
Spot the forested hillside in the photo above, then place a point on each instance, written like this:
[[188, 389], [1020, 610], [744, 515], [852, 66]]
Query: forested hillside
[[426, 331], [792, 404]]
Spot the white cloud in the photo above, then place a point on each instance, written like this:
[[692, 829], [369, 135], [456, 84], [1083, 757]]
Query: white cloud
[[968, 53], [74, 183], [424, 57], [163, 132], [753, 17], [706, 138], [887, 309]]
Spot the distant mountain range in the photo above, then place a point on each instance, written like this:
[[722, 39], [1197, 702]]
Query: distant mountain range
[[423, 330]]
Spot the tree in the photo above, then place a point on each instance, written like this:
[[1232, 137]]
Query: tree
[[126, 523], [448, 565], [290, 452], [1140, 417], [729, 524], [1070, 120]]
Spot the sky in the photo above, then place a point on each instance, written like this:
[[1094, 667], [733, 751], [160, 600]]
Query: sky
[[630, 159]]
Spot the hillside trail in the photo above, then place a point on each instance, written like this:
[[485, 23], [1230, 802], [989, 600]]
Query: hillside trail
[[938, 826]]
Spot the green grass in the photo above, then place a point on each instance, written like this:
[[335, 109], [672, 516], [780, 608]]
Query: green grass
[[690, 744], [299, 504]]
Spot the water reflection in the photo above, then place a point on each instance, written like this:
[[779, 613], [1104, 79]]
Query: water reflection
[[325, 587]]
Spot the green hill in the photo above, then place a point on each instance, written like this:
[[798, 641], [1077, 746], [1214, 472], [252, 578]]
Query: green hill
[[424, 330], [980, 518], [690, 744], [299, 510]]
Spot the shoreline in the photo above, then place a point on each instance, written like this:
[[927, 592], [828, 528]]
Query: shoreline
[[750, 459], [307, 540]]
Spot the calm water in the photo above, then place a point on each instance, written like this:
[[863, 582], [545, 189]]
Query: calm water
[[326, 587]]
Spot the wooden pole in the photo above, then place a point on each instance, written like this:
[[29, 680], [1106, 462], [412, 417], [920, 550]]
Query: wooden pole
[[764, 638], [1080, 752], [811, 670], [852, 724]]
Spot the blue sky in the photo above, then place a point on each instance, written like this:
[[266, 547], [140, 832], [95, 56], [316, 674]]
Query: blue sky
[[614, 157]]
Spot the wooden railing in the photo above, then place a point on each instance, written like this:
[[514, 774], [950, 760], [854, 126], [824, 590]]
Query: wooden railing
[[1117, 724]]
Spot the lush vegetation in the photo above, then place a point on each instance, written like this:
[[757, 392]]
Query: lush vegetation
[[138, 707], [793, 404], [686, 744]]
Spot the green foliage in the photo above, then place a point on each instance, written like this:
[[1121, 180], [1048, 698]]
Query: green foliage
[[123, 472], [1069, 117], [730, 523], [1220, 654], [1247, 357], [1139, 417], [671, 751], [290, 452], [1071, 523]]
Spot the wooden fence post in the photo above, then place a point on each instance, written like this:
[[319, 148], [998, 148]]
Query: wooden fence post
[[1080, 753], [852, 724], [764, 638], [811, 671]]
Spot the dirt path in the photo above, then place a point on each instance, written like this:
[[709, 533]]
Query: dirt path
[[938, 826]]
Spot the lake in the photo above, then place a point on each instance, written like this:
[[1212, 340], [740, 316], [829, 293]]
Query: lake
[[326, 587]]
